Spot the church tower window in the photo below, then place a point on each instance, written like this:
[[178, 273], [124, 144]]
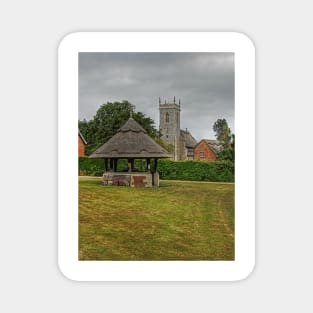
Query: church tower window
[[167, 117]]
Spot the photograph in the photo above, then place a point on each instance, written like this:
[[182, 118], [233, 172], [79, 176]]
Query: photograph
[[156, 156]]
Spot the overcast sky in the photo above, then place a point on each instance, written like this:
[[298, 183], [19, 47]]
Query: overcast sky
[[203, 81]]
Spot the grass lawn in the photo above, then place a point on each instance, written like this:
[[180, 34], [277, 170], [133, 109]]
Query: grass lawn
[[177, 221]]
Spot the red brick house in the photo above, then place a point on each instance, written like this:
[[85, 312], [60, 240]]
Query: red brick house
[[207, 149], [81, 144]]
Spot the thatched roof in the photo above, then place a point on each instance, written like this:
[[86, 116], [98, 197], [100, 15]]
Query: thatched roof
[[131, 141]]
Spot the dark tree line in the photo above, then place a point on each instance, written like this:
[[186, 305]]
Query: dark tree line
[[108, 119]]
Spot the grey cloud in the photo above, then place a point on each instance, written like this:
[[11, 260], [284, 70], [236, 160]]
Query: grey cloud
[[203, 81]]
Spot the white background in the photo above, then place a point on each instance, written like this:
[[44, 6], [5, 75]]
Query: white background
[[30, 33]]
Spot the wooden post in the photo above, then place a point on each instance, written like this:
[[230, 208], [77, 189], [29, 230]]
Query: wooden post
[[132, 161], [115, 165], [148, 164], [106, 164], [111, 164], [129, 165]]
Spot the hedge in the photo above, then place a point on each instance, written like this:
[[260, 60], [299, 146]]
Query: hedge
[[90, 167], [219, 171], [95, 167]]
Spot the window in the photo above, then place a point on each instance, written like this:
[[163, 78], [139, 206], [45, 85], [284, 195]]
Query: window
[[167, 117], [201, 154]]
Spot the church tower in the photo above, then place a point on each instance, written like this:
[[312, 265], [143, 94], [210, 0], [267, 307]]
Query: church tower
[[170, 125]]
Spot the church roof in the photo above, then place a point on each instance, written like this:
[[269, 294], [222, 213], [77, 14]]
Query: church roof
[[190, 142], [131, 141]]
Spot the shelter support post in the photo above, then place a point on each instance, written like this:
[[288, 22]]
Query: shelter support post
[[148, 164], [115, 165], [106, 164], [132, 162], [129, 165]]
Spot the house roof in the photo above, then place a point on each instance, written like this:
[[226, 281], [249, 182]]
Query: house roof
[[82, 137], [213, 144], [190, 142], [131, 141]]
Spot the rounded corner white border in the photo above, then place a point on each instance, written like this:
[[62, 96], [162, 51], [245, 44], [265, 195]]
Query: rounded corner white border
[[244, 49]]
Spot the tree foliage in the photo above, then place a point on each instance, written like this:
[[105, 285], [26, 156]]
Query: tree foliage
[[108, 119], [226, 139], [222, 132]]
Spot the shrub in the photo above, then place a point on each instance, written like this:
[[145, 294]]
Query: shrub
[[90, 167], [218, 171], [197, 170], [95, 167]]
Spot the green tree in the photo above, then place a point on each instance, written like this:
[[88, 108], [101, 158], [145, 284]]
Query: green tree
[[108, 119], [226, 139], [222, 132]]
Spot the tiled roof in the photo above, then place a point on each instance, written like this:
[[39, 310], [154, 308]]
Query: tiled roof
[[214, 145]]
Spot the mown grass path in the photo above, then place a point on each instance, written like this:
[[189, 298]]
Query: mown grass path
[[177, 221]]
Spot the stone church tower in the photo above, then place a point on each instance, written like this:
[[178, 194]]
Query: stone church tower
[[181, 141], [170, 125]]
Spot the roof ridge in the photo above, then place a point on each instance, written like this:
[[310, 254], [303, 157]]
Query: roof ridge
[[82, 137], [132, 125]]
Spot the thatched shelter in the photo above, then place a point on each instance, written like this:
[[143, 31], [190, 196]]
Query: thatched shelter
[[131, 142]]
